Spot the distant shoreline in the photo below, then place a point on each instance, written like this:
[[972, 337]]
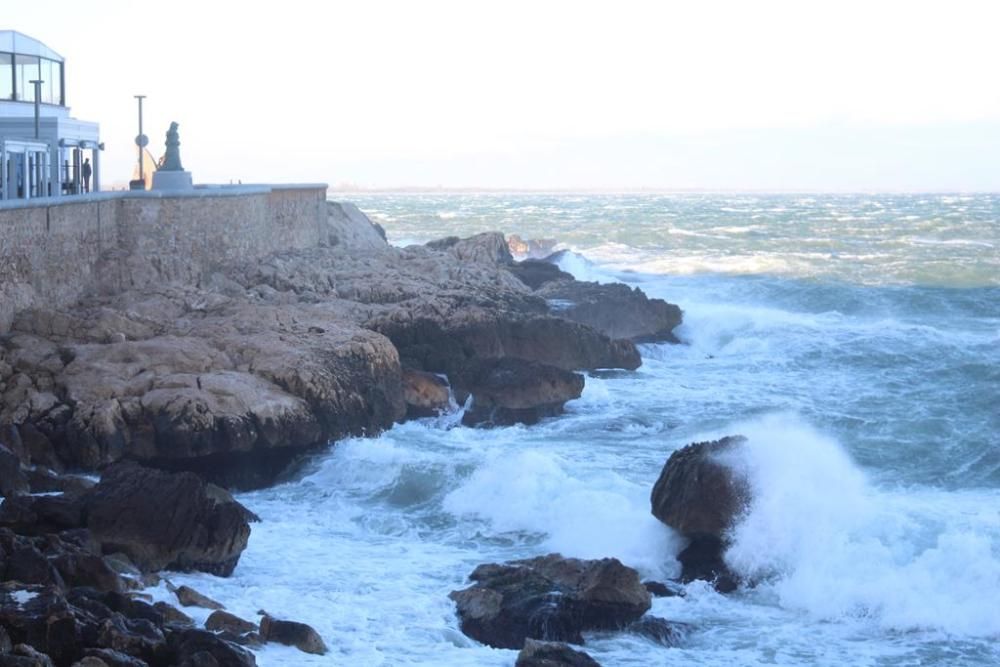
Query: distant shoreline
[[342, 189]]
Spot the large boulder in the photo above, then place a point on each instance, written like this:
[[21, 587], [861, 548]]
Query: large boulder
[[292, 633], [508, 391], [614, 309], [13, 481], [164, 520], [530, 248], [701, 496], [550, 598]]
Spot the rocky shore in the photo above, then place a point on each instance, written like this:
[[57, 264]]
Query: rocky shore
[[233, 377], [167, 391]]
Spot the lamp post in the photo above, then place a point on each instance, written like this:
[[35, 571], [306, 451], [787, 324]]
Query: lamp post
[[141, 140], [38, 101]]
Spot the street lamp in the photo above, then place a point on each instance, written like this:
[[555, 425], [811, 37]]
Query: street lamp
[[141, 140], [38, 100]]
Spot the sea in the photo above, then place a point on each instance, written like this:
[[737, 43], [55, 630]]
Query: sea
[[854, 339]]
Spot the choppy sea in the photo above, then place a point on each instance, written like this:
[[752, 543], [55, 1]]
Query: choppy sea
[[855, 339]]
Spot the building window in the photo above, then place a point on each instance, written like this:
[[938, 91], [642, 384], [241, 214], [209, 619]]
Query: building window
[[51, 89], [6, 76], [26, 71]]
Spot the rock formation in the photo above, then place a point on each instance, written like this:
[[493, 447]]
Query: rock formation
[[235, 377], [701, 497], [550, 598], [552, 654]]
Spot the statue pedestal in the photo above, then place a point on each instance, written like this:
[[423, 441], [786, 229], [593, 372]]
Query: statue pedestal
[[172, 180]]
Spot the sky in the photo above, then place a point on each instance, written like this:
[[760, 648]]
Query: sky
[[763, 95]]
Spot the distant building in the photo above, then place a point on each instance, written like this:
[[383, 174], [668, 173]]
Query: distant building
[[49, 164]]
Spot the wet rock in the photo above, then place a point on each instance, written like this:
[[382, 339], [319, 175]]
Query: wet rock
[[12, 479], [113, 658], [44, 480], [132, 636], [535, 273], [94, 661], [292, 633], [189, 597], [659, 630], [552, 654], [549, 598], [128, 511], [201, 648], [425, 394], [172, 615], [658, 589], [220, 620], [25, 655], [485, 248], [615, 309], [509, 391], [38, 515], [701, 497]]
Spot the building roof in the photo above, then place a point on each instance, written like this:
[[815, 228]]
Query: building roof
[[12, 41]]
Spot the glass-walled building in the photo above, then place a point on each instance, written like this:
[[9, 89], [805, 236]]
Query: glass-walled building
[[47, 158]]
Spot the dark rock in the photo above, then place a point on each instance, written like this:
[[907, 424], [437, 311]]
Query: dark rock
[[701, 497], [292, 633], [534, 273], [201, 648], [660, 630], [615, 309], [549, 598], [426, 394], [552, 654], [43, 480], [94, 661], [79, 568], [172, 615], [250, 639], [37, 515], [114, 658], [221, 620], [189, 597], [658, 589], [25, 655], [6, 646], [132, 636], [703, 559], [27, 565], [167, 520], [12, 479], [508, 391]]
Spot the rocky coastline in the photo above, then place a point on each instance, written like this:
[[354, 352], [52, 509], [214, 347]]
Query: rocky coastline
[[175, 392]]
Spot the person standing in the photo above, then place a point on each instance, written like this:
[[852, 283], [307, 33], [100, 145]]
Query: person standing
[[85, 172]]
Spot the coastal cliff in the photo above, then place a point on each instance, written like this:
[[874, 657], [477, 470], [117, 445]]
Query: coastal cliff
[[236, 371]]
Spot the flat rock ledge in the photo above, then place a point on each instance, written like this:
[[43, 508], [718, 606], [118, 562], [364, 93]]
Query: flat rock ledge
[[549, 598]]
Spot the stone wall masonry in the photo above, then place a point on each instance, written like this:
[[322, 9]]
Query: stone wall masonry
[[55, 251]]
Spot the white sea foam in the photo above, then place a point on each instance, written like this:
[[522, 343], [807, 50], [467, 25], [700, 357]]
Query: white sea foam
[[829, 544]]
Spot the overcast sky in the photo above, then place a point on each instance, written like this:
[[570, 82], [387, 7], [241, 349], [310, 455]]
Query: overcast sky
[[721, 95]]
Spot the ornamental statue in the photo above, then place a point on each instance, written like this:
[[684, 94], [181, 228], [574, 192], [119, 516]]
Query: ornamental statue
[[172, 158]]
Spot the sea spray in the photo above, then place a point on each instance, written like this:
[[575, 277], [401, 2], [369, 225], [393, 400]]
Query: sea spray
[[827, 543]]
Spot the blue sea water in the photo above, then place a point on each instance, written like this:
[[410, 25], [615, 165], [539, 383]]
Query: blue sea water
[[855, 339]]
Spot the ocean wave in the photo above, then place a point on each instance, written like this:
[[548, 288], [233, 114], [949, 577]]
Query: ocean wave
[[828, 543]]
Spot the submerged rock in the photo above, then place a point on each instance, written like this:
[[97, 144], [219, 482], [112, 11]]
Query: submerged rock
[[700, 496], [552, 654], [549, 598], [166, 520]]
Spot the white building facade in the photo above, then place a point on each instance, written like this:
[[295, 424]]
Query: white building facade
[[43, 157]]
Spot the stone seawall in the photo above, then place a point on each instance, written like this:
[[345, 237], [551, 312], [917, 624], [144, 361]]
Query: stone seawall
[[54, 251]]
